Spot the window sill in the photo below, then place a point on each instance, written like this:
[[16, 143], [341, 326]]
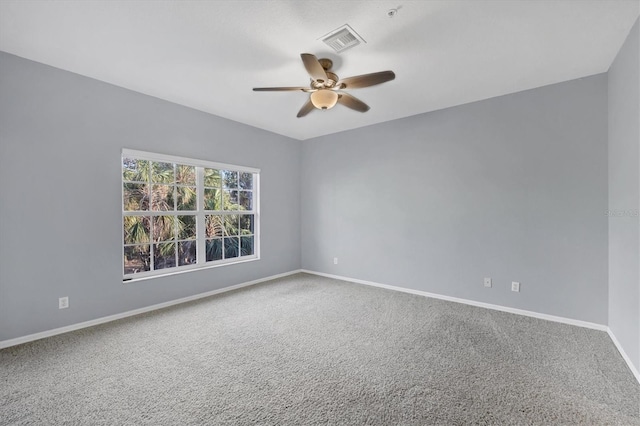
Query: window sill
[[191, 269]]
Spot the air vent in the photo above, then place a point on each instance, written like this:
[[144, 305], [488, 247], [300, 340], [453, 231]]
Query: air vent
[[342, 38]]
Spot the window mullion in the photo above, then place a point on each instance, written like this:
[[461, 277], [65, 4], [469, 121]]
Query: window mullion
[[201, 254], [152, 263], [176, 254], [255, 188]]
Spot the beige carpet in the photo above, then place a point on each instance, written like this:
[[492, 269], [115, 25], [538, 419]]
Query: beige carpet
[[306, 350]]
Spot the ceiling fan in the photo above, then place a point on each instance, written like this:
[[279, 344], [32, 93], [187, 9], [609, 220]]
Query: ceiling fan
[[325, 87]]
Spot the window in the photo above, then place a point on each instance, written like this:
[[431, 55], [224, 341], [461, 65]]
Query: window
[[182, 214]]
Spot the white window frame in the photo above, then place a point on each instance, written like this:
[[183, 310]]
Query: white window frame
[[200, 214]]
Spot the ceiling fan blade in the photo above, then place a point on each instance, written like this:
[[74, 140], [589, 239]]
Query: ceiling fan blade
[[306, 109], [366, 80], [281, 89], [314, 68], [352, 102]]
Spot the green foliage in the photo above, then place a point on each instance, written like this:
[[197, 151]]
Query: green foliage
[[214, 249], [212, 178], [135, 170], [136, 229]]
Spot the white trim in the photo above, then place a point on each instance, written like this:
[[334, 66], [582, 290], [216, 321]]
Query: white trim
[[90, 323], [516, 311], [626, 358], [547, 317], [152, 156], [189, 268], [97, 321]]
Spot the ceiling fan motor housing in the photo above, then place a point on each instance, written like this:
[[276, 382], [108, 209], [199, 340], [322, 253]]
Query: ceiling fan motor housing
[[329, 83]]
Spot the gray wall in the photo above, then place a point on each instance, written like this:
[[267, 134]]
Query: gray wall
[[513, 188], [60, 223], [624, 196]]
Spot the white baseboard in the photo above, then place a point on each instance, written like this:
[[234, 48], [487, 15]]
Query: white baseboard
[[516, 311], [626, 358], [554, 318], [85, 324]]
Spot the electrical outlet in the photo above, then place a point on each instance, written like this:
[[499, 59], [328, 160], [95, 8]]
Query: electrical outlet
[[63, 302], [487, 282], [515, 286], [335, 260]]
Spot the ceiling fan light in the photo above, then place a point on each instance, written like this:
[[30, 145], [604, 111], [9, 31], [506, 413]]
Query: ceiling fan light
[[324, 99]]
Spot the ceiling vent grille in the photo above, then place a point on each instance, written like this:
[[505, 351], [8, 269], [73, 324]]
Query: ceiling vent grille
[[342, 38]]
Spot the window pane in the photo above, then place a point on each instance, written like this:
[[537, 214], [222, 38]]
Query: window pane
[[231, 224], [246, 246], [186, 253], [229, 179], [137, 259], [213, 226], [246, 180], [186, 227], [164, 228], [136, 229], [212, 199], [162, 173], [135, 170], [231, 247], [187, 197], [164, 255], [212, 178], [162, 197], [246, 200], [135, 197], [246, 224], [214, 249], [185, 175], [230, 199]]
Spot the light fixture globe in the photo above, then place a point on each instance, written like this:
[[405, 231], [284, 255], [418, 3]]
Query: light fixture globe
[[324, 99]]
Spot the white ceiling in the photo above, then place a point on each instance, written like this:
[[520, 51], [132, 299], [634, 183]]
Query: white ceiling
[[208, 55]]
